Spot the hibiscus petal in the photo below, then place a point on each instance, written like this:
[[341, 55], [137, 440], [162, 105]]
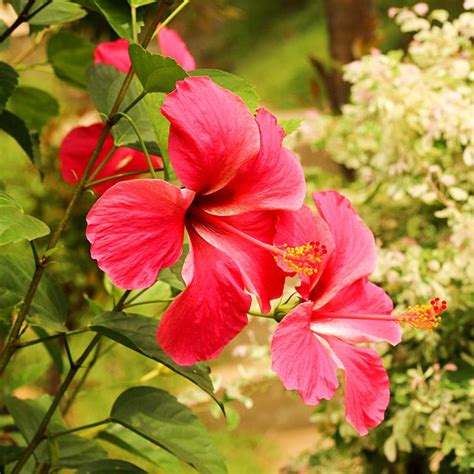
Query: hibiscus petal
[[273, 180], [78, 146], [261, 275], [300, 360], [364, 298], [114, 53], [355, 251], [173, 46], [209, 312], [212, 134], [136, 228], [299, 227], [367, 387]]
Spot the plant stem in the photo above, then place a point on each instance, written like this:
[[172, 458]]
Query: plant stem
[[120, 175], [80, 428], [40, 433], [22, 17], [102, 164], [164, 300], [12, 338], [48, 338], [134, 102]]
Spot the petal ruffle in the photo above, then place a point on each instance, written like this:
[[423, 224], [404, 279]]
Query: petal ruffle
[[273, 180], [114, 53], [212, 134], [300, 359], [262, 277], [173, 46], [78, 146], [209, 312], [136, 228], [355, 251], [367, 387], [299, 227], [362, 297]]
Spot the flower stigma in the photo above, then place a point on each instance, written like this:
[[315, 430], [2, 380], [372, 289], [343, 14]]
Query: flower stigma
[[302, 259]]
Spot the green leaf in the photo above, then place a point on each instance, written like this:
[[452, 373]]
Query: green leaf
[[6, 43], [71, 56], [15, 225], [118, 16], [141, 3], [290, 125], [104, 83], [141, 448], [159, 417], [56, 13], [34, 106], [49, 308], [156, 73], [52, 346], [17, 129], [8, 82], [73, 450], [138, 333], [109, 466], [173, 275], [9, 454], [233, 83]]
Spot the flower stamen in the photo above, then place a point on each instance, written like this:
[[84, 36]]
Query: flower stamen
[[426, 316], [302, 259]]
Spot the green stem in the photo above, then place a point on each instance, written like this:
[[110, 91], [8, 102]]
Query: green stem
[[49, 338], [120, 175], [12, 338], [101, 165], [134, 102], [261, 315], [134, 23], [175, 12], [142, 143], [80, 428], [164, 300]]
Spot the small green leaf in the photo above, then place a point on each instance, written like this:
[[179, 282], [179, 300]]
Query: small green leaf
[[173, 275], [15, 225], [159, 417], [117, 14], [138, 333], [17, 129], [233, 83], [290, 125], [49, 308], [34, 106], [141, 3], [71, 56], [73, 450], [104, 83], [156, 73], [8, 82], [110, 466]]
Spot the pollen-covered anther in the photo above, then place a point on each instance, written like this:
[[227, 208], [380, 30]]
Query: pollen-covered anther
[[426, 316], [303, 259]]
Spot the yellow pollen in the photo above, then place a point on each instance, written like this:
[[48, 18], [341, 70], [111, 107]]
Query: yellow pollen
[[302, 259], [426, 316]]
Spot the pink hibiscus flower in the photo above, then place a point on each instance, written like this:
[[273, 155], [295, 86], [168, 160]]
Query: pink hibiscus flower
[[171, 44], [237, 174], [344, 308], [78, 146]]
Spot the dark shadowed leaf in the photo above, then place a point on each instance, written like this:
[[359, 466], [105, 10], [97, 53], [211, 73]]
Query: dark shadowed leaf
[[73, 450], [49, 304], [33, 105], [159, 417], [15, 225], [6, 43], [8, 82], [117, 14], [104, 83], [109, 466], [156, 73], [233, 83], [9, 454], [139, 334], [71, 56]]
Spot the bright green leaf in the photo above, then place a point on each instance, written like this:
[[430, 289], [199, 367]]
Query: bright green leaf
[[104, 83], [290, 125], [141, 3], [8, 82], [109, 466], [49, 307], [159, 417], [33, 105], [73, 450], [156, 73], [117, 14], [233, 83], [70, 55], [56, 13], [15, 225], [138, 333]]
